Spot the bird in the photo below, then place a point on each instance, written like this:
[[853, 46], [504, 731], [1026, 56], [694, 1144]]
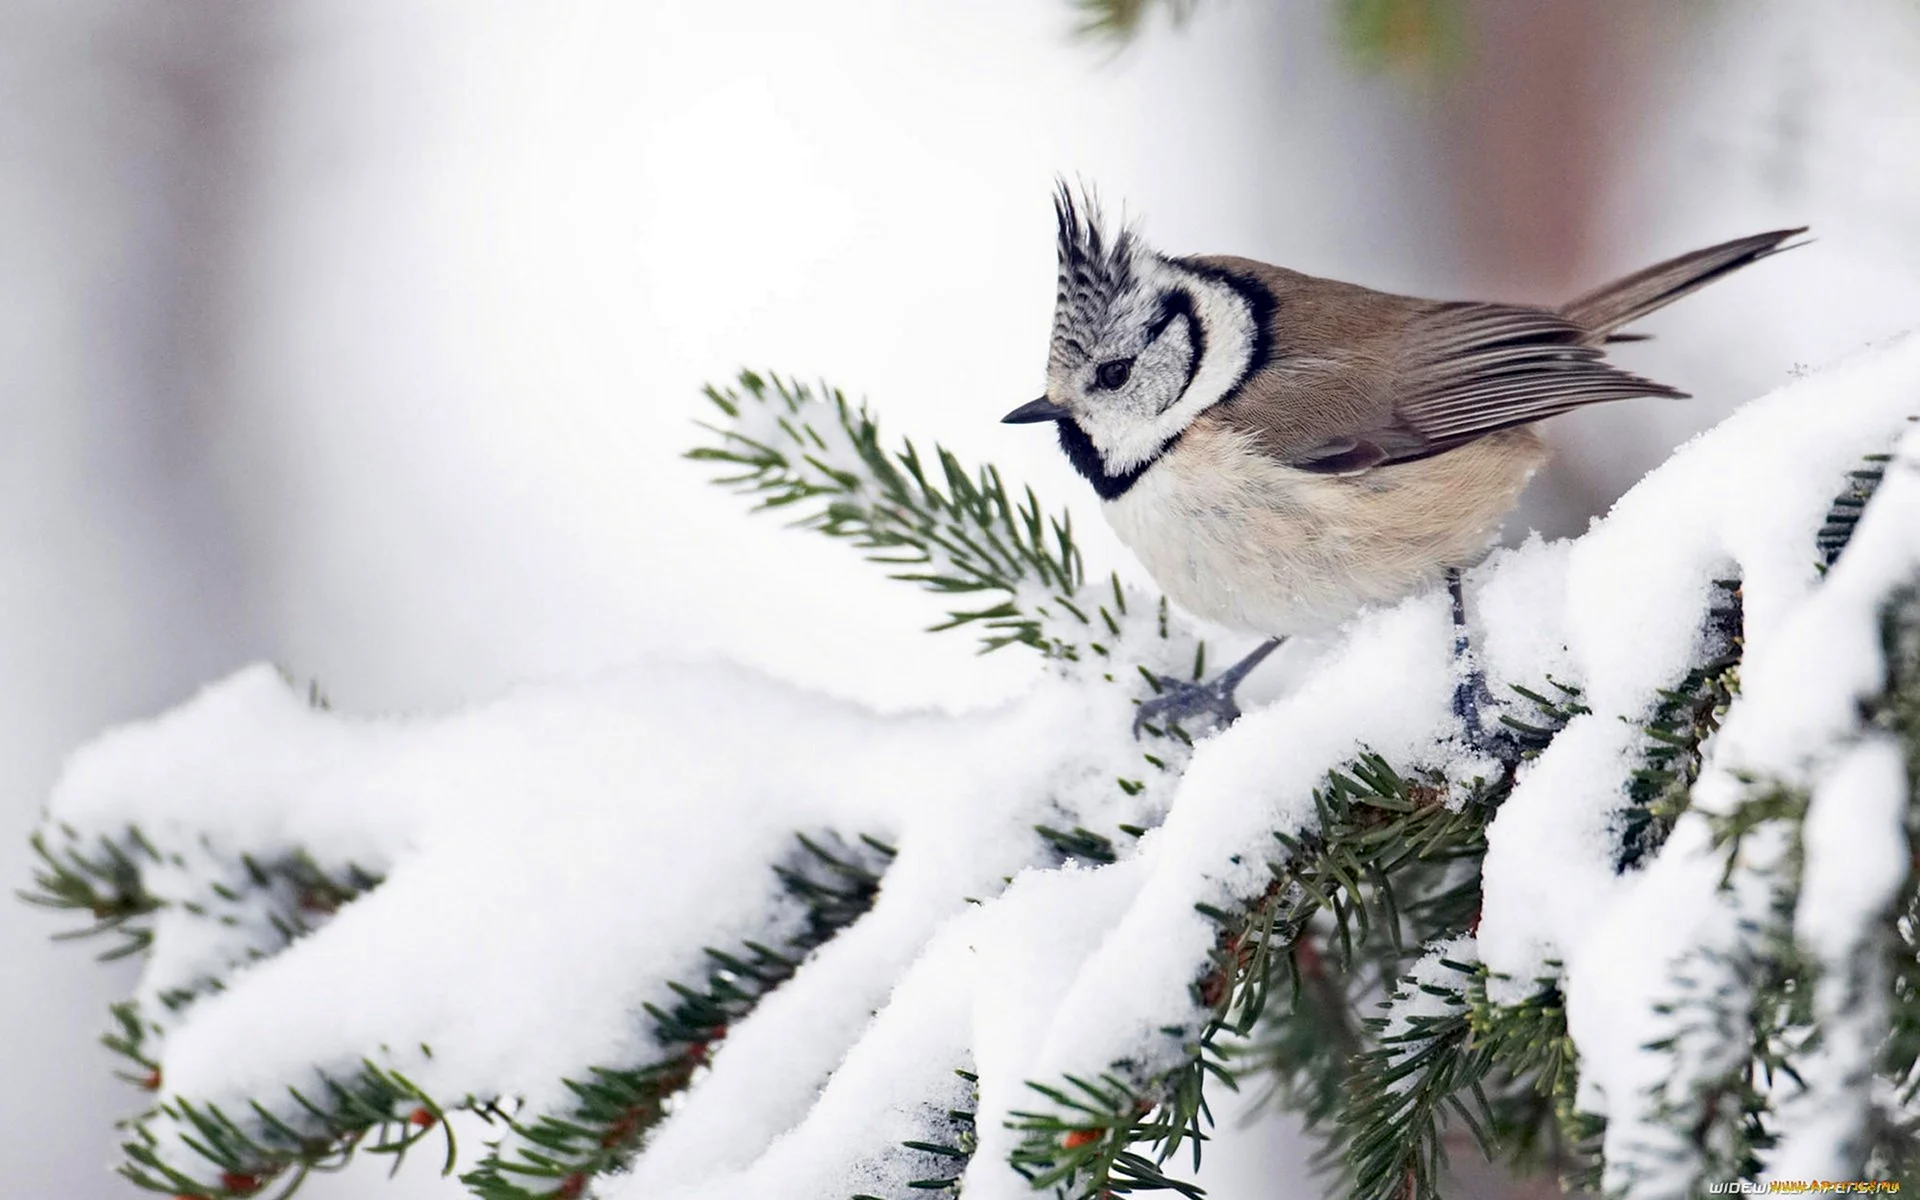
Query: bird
[[1281, 450]]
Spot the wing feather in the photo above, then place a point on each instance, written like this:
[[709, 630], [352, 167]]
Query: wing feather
[[1465, 370], [1361, 379]]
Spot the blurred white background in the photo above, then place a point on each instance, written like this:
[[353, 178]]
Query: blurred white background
[[365, 338]]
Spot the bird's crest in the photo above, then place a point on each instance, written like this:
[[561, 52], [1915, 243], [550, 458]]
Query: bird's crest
[[1096, 269]]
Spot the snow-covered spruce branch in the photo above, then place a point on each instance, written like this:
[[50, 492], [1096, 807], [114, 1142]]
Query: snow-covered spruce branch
[[1777, 1011], [612, 1110], [1103, 1120], [1606, 952], [603, 1108], [569, 782]]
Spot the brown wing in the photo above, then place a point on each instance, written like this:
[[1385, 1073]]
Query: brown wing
[[1392, 379], [1468, 370], [1362, 378]]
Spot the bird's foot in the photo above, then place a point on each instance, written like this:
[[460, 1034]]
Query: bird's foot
[[1471, 702], [1180, 700], [1471, 697]]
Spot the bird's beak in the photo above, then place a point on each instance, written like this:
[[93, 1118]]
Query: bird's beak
[[1032, 411]]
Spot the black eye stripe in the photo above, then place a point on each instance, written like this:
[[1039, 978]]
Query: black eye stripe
[[1178, 302], [1175, 302], [1262, 305], [1172, 304]]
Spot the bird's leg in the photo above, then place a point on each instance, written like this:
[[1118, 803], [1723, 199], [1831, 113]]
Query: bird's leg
[[1471, 697], [1180, 700]]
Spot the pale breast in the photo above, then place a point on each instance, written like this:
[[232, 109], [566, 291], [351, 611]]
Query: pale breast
[[1237, 538]]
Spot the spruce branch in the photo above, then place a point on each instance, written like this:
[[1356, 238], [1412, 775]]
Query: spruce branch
[[1745, 1009], [1376, 34], [1443, 1053], [958, 532], [1374, 823], [1893, 1137], [953, 532], [256, 910], [373, 1110], [1530, 1089], [1011, 571], [1391, 865], [1736, 1013], [376, 1109], [249, 907], [1424, 1064], [1843, 516], [1305, 1050], [948, 1146], [1674, 738], [1738, 1020]]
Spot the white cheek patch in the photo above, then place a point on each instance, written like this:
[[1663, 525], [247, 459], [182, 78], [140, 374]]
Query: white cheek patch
[[1227, 331], [1112, 434]]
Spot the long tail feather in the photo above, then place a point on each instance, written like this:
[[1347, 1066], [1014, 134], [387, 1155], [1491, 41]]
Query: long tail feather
[[1607, 308]]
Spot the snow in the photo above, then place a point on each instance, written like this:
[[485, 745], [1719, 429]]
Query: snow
[[553, 859], [591, 859], [979, 998], [1673, 930], [441, 492], [1740, 502], [1857, 857], [1256, 778]]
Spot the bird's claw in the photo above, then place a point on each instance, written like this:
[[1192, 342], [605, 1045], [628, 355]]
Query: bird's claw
[[1471, 700], [1180, 700]]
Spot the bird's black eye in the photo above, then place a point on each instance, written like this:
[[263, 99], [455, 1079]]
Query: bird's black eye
[[1113, 375]]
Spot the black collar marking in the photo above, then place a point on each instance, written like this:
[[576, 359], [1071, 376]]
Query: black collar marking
[[1079, 447], [1086, 460], [1261, 303], [1178, 302]]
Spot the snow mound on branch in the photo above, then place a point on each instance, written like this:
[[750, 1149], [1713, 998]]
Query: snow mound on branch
[[1073, 971], [552, 861], [1621, 612], [1796, 725]]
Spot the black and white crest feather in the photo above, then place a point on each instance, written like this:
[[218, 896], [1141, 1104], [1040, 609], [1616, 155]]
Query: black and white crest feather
[[1095, 271]]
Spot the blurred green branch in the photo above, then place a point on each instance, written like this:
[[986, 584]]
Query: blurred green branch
[[1376, 34]]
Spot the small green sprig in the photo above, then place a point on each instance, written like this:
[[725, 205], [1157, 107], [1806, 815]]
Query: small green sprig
[[1119, 21], [106, 879], [373, 1110], [951, 531], [1375, 34], [1423, 1065], [103, 881], [1008, 569]]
